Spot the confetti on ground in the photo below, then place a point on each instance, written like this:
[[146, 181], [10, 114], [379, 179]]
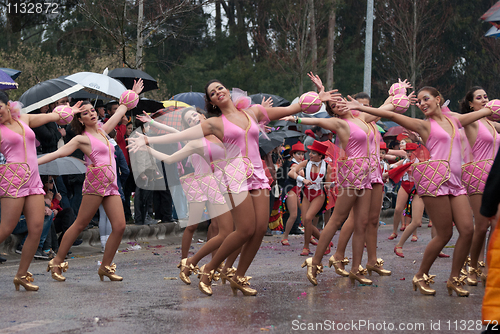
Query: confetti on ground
[[402, 279], [169, 278]]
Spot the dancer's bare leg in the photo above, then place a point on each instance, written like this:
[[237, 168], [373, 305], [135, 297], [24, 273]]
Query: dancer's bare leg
[[373, 223], [443, 210], [361, 213], [292, 204], [344, 237], [114, 210], [33, 207], [401, 200], [91, 204], [345, 202], [481, 225], [310, 209], [195, 213], [416, 219]]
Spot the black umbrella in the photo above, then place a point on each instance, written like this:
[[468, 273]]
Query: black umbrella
[[278, 101], [47, 92], [267, 145], [128, 75], [150, 106], [195, 99], [286, 133]]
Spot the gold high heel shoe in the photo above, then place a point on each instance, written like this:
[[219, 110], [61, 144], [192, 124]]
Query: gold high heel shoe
[[109, 271], [463, 271], [63, 266], [228, 274], [242, 284], [206, 288], [426, 279], [378, 268], [456, 285], [26, 284], [310, 276], [335, 264], [473, 281], [182, 275], [483, 276], [362, 280]]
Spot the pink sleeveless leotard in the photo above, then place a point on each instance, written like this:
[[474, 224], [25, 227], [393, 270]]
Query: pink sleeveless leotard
[[234, 137], [438, 144], [486, 145], [206, 185], [101, 155], [374, 143], [13, 148], [355, 172], [484, 150]]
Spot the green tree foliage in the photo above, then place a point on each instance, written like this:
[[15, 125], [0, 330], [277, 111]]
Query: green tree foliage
[[256, 45]]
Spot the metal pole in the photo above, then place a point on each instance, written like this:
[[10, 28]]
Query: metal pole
[[367, 82]]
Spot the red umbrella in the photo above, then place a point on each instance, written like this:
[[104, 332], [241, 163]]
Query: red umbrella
[[394, 131], [493, 15]]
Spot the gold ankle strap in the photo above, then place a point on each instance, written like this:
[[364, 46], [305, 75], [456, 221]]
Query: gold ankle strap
[[427, 279], [28, 277], [458, 280], [379, 263]]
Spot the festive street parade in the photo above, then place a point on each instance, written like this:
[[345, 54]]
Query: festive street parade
[[148, 185]]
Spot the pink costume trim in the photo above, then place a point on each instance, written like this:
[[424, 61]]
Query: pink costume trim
[[354, 171], [100, 178], [475, 173], [19, 177], [440, 175]]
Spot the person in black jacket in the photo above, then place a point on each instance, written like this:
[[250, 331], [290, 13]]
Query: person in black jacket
[[48, 134]]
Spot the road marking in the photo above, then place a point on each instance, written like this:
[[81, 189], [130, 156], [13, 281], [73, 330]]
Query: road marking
[[25, 326]]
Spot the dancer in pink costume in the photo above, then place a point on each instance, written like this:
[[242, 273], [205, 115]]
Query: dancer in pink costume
[[354, 184], [236, 126], [201, 188], [485, 141], [444, 197], [21, 190], [100, 186], [338, 260]]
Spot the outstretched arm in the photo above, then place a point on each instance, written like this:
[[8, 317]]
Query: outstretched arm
[[36, 120], [386, 111], [64, 151], [147, 119], [199, 131], [186, 151], [332, 124], [122, 109], [279, 112], [471, 117]]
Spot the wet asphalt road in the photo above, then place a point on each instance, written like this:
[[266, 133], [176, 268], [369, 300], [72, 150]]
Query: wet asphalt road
[[152, 300]]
